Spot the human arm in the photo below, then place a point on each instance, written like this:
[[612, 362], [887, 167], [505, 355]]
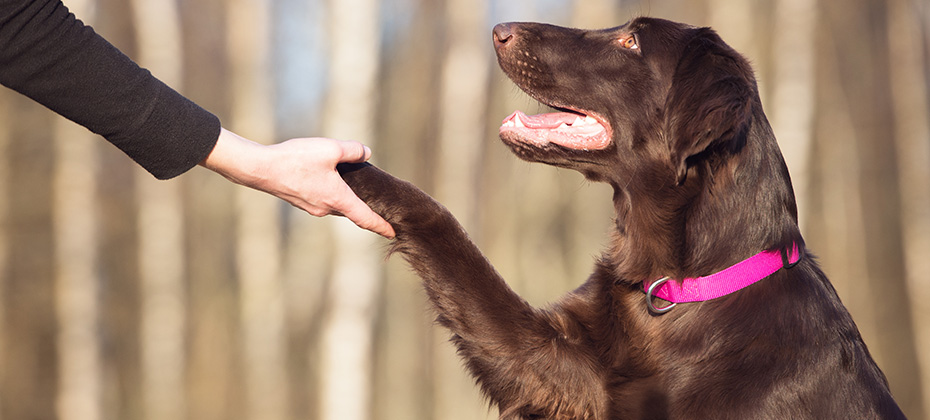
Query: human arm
[[52, 57], [49, 55]]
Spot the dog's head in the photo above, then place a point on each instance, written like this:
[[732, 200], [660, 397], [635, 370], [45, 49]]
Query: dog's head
[[652, 95]]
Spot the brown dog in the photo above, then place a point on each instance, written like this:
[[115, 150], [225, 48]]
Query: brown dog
[[670, 116]]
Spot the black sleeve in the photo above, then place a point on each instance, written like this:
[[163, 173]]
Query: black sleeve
[[53, 58]]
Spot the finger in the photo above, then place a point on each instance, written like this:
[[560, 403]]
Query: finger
[[354, 152], [359, 213]]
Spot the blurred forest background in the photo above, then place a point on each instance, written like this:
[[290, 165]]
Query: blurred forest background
[[127, 298]]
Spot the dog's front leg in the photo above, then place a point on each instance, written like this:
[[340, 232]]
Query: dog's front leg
[[517, 353], [470, 297]]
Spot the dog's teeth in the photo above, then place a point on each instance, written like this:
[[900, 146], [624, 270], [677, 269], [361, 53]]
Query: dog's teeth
[[589, 120], [562, 127], [518, 122], [579, 121]]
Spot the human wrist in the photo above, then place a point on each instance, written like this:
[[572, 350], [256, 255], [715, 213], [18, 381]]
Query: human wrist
[[238, 159]]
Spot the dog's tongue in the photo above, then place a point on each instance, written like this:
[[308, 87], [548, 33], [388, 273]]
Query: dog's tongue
[[573, 131], [549, 121]]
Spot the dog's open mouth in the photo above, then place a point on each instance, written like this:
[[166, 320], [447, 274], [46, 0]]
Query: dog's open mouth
[[571, 130]]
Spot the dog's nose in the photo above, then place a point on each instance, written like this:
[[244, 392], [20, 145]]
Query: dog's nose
[[503, 33]]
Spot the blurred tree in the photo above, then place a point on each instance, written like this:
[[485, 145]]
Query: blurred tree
[[4, 233], [408, 121], [909, 33], [258, 252], [299, 64], [214, 389], [30, 371], [463, 100], [161, 226], [75, 212], [355, 285], [792, 98], [858, 68], [118, 257]]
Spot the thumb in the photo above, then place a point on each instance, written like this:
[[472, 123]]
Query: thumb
[[354, 152]]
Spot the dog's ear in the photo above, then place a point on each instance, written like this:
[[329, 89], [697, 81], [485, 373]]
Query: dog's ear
[[710, 102]]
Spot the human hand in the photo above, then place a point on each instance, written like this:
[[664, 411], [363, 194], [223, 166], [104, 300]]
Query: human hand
[[301, 171]]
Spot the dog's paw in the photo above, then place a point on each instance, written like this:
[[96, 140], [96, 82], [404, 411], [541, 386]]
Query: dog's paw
[[399, 202]]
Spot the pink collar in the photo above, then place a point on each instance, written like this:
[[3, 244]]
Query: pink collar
[[732, 279]]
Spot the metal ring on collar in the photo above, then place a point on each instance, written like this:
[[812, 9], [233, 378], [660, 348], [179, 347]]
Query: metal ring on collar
[[649, 297]]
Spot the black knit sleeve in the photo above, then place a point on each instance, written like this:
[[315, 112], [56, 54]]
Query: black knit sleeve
[[53, 58]]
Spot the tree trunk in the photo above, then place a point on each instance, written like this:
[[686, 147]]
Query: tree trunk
[[864, 76], [347, 336], [30, 371], [300, 62], [465, 73], [464, 95], [595, 14], [5, 223], [410, 89], [80, 380], [792, 110], [161, 233], [213, 380], [910, 94], [258, 253]]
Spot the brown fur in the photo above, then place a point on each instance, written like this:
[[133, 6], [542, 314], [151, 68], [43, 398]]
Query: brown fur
[[699, 184]]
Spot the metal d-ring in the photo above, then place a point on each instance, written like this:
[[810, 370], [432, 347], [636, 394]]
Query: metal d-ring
[[649, 297], [785, 263]]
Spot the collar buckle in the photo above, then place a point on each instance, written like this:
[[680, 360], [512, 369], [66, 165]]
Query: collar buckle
[[786, 258], [650, 297]]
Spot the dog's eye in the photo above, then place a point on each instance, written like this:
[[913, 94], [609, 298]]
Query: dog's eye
[[629, 42]]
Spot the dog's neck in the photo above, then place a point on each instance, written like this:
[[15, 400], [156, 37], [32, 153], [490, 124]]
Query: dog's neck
[[728, 208]]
